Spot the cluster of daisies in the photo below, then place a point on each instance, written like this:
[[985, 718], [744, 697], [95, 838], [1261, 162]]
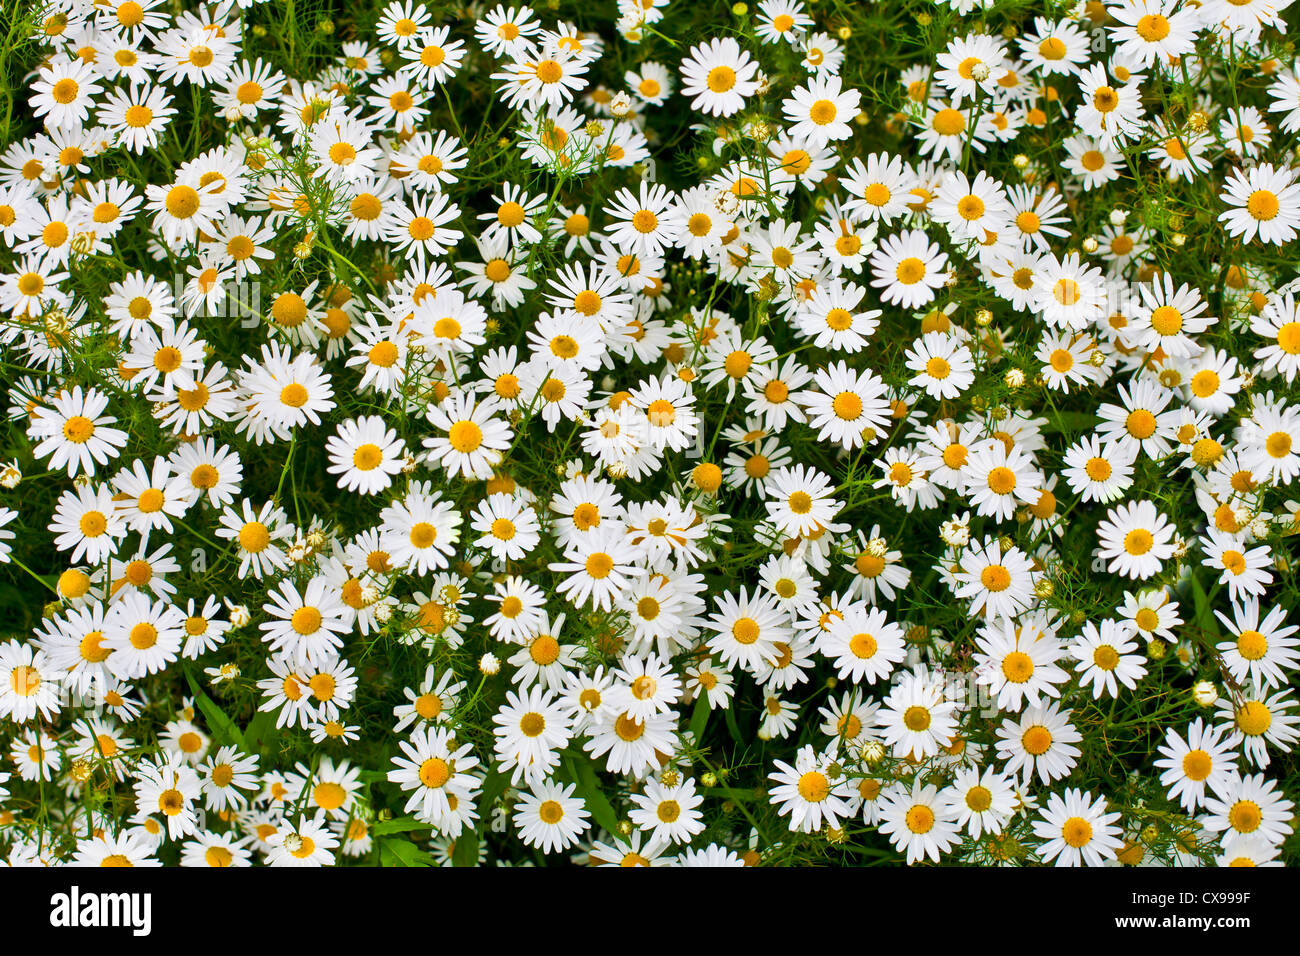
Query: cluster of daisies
[[374, 504]]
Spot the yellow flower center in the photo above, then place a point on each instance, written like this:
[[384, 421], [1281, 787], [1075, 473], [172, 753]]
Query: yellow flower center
[[814, 787], [721, 79]]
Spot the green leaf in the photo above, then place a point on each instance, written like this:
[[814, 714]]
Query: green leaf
[[399, 825], [465, 850], [584, 777], [729, 793], [1204, 615], [223, 728], [494, 784], [258, 730], [1070, 422], [699, 717], [403, 853], [733, 728]]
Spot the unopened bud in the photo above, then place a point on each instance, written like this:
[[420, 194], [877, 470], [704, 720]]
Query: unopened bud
[[1205, 693]]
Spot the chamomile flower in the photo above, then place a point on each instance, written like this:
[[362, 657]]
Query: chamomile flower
[[668, 813], [669, 406], [547, 77], [971, 208], [259, 534], [434, 767], [499, 272], [1260, 651], [918, 821], [598, 566], [1259, 719], [87, 523], [1018, 662], [863, 644], [1249, 806], [401, 22], [808, 792], [999, 583], [943, 365], [74, 432], [1214, 382], [305, 843], [421, 228], [431, 57], [1167, 319], [718, 76], [819, 112], [365, 454], [848, 407], [1054, 47], [948, 129], [142, 636], [1279, 322], [420, 532], [800, 500], [1192, 763], [306, 624], [1110, 114], [284, 391], [746, 630], [909, 268], [64, 92], [880, 189], [506, 31], [1105, 658], [1077, 830], [916, 719], [1136, 540], [1247, 850], [249, 88], [550, 817], [1040, 741], [1153, 32], [998, 479], [127, 849], [507, 527], [138, 117], [30, 687], [474, 438], [981, 802], [1263, 201], [646, 222], [1243, 569]]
